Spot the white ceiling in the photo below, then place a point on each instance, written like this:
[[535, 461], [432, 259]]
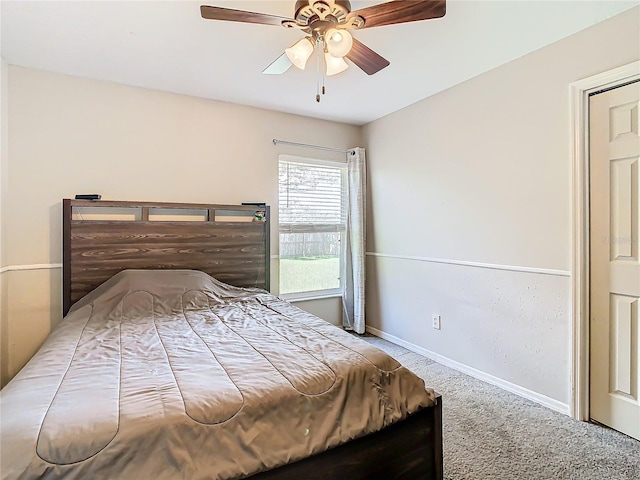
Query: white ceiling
[[166, 45]]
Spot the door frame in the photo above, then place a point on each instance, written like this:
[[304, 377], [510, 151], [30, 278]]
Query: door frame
[[579, 98]]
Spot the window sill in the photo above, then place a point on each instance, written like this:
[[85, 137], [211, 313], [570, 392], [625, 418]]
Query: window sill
[[294, 298]]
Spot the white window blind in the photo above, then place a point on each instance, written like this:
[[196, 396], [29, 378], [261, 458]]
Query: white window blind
[[312, 195]]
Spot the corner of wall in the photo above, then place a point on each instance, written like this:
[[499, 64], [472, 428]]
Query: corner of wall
[[4, 151], [4, 165]]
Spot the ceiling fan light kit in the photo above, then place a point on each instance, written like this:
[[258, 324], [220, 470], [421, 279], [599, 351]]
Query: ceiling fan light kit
[[326, 24]]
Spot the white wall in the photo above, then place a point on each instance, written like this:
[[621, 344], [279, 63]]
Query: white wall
[[482, 173], [70, 135]]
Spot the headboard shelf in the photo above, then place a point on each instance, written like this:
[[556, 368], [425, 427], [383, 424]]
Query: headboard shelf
[[145, 211], [101, 238]]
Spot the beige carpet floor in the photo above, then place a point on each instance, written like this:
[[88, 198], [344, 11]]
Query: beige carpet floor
[[491, 434]]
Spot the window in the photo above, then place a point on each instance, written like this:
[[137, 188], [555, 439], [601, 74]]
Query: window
[[312, 211]]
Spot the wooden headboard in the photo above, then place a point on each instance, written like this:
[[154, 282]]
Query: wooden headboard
[[101, 238]]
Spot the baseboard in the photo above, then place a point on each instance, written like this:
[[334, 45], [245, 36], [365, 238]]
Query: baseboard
[[472, 372]]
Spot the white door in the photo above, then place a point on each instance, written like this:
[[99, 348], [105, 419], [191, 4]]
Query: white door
[[615, 260]]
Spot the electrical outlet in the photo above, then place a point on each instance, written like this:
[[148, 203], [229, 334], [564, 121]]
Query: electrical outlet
[[435, 321]]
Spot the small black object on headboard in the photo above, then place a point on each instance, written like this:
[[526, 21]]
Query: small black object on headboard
[[89, 196]]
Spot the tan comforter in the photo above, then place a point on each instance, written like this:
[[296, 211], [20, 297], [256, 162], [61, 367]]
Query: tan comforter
[[172, 374]]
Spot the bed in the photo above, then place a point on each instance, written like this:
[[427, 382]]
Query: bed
[[174, 361]]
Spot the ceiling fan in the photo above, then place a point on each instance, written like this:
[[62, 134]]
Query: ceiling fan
[[327, 25]]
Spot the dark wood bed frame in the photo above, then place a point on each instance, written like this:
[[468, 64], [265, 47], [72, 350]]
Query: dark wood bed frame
[[150, 236]]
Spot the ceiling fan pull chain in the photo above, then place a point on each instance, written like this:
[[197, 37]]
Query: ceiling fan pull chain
[[318, 47], [323, 77], [322, 46]]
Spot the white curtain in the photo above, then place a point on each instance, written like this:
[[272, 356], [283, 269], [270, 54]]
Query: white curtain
[[353, 294]]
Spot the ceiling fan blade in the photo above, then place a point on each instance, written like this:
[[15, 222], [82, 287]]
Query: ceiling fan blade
[[400, 11], [278, 66], [231, 15], [365, 58]]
